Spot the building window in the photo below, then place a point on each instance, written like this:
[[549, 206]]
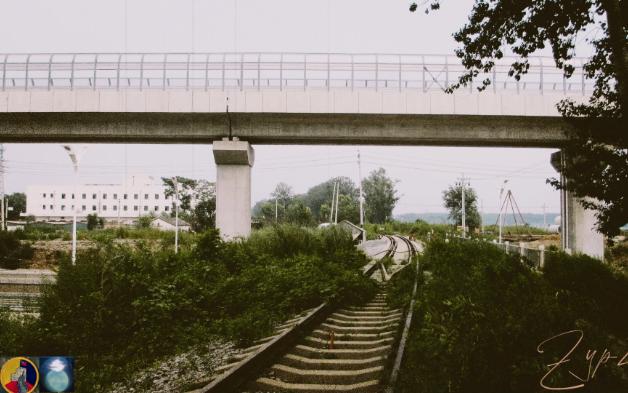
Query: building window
[[52, 195], [72, 207], [83, 207], [126, 196], [145, 208], [156, 208], [115, 208], [62, 207], [62, 196], [156, 196], [136, 196], [84, 196], [115, 196], [52, 207], [44, 194], [136, 208], [145, 196], [167, 208], [72, 196], [43, 207], [104, 207], [125, 208], [93, 196], [93, 208], [104, 196]]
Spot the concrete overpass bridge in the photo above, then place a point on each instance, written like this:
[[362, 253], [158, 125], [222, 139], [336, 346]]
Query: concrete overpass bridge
[[285, 98]]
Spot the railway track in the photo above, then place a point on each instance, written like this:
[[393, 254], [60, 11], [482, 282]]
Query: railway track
[[344, 350]]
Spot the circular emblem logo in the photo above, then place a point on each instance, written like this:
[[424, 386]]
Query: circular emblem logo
[[19, 375]]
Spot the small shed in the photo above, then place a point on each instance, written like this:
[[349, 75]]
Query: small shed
[[168, 224]]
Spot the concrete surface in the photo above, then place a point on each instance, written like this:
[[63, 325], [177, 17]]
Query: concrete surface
[[287, 128], [234, 160]]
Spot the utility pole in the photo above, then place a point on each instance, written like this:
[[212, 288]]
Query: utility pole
[[2, 205], [337, 195], [500, 217], [361, 199], [333, 204], [176, 214], [74, 157], [464, 212]]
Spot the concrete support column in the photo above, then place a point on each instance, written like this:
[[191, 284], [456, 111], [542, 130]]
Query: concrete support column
[[577, 224], [234, 159]]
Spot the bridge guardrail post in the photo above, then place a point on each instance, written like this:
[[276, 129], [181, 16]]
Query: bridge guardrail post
[[4, 71], [95, 69], [259, 72], [352, 73], [281, 72], [163, 74], [507, 246], [28, 59], [241, 71], [142, 72], [541, 256], [50, 71], [423, 73], [328, 72], [118, 73], [187, 73]]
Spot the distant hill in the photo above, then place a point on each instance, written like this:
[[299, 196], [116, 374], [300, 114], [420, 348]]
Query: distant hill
[[533, 219]]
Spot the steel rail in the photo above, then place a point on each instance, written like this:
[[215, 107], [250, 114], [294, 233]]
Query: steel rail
[[394, 375], [248, 367]]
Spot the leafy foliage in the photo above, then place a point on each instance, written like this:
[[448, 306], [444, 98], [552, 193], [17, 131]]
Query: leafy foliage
[[94, 222], [12, 252], [480, 315], [120, 301], [380, 196], [595, 159], [17, 201], [452, 198]]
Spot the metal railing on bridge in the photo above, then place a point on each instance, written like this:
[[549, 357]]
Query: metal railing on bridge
[[228, 71]]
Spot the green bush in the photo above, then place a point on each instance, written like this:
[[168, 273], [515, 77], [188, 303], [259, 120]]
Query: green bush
[[478, 320], [13, 254], [122, 307], [600, 292]]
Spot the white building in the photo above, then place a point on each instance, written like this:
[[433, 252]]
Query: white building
[[110, 201]]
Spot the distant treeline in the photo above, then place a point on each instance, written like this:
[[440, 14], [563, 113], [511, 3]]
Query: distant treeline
[[532, 219]]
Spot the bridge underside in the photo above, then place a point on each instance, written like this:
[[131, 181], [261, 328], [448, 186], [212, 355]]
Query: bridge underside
[[286, 128]]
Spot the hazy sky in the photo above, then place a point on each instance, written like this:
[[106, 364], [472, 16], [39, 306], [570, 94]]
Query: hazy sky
[[383, 26]]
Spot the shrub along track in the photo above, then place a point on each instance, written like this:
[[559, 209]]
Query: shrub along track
[[324, 350]]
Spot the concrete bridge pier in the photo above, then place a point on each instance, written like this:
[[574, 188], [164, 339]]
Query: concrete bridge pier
[[577, 226], [234, 159]]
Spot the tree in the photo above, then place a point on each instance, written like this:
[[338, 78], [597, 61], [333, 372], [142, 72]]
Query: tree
[[16, 201], [283, 194], [380, 196], [94, 222], [197, 201], [186, 191], [321, 194], [144, 222], [298, 213], [596, 155], [204, 215], [452, 198]]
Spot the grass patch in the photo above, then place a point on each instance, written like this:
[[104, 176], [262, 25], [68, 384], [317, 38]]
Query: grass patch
[[123, 307], [481, 314]]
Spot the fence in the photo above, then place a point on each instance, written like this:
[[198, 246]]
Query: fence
[[533, 257], [273, 70]]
